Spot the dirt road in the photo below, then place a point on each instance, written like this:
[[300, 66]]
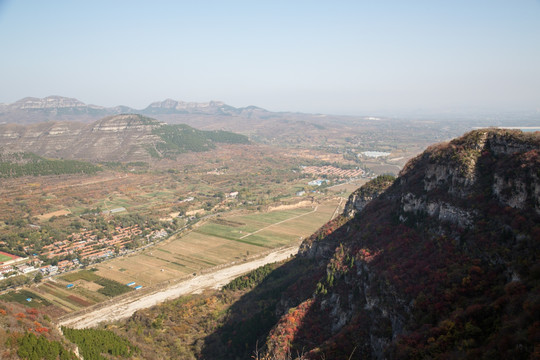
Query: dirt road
[[125, 307], [281, 222]]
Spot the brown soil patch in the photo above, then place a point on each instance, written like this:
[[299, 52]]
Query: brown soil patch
[[79, 301], [54, 213], [228, 222], [300, 204], [88, 285], [53, 311]]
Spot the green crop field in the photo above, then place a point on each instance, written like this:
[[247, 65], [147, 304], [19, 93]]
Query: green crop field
[[20, 296], [243, 227], [4, 258], [89, 288], [83, 274]]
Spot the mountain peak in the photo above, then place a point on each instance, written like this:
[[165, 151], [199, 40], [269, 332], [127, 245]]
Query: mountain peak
[[49, 102], [166, 104]]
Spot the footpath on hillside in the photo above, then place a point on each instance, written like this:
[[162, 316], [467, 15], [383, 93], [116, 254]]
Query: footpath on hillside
[[123, 307]]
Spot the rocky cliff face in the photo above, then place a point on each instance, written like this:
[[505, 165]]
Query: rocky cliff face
[[361, 197], [443, 263], [459, 169]]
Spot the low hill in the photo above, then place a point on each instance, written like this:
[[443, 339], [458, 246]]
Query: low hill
[[127, 137]]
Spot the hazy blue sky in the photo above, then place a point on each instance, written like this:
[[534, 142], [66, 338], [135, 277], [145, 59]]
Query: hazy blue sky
[[340, 57]]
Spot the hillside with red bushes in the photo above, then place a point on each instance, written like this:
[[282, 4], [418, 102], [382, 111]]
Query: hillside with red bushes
[[443, 264], [440, 263]]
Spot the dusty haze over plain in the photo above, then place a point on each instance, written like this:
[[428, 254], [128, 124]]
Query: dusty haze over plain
[[346, 57]]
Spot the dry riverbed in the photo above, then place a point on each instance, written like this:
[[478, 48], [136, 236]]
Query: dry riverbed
[[124, 307]]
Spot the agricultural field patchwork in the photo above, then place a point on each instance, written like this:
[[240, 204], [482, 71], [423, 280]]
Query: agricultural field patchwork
[[223, 203], [218, 241], [77, 290]]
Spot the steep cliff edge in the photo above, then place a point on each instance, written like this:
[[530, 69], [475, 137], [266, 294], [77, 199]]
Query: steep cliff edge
[[445, 263], [361, 197]]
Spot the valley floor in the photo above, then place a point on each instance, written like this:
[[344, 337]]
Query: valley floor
[[117, 309]]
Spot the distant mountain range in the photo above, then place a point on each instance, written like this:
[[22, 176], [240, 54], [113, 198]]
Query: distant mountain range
[[58, 108], [261, 125]]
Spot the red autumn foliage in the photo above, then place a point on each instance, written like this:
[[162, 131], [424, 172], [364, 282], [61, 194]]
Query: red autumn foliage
[[20, 316]]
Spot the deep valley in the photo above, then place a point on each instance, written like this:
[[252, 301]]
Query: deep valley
[[408, 247]]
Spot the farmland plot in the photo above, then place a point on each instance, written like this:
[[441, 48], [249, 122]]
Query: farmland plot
[[219, 241]]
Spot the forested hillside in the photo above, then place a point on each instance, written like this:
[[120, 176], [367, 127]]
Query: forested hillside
[[25, 164], [178, 139], [27, 332]]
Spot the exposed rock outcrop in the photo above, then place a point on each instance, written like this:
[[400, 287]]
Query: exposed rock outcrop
[[430, 267], [367, 192]]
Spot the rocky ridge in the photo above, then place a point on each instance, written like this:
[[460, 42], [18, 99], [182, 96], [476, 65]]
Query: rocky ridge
[[116, 138], [361, 197], [170, 105], [430, 267], [57, 108], [50, 102]]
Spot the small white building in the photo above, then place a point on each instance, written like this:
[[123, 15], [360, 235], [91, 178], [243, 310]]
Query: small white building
[[25, 269], [317, 182]]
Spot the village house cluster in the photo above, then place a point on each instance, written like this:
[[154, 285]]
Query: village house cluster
[[79, 247], [87, 245]]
